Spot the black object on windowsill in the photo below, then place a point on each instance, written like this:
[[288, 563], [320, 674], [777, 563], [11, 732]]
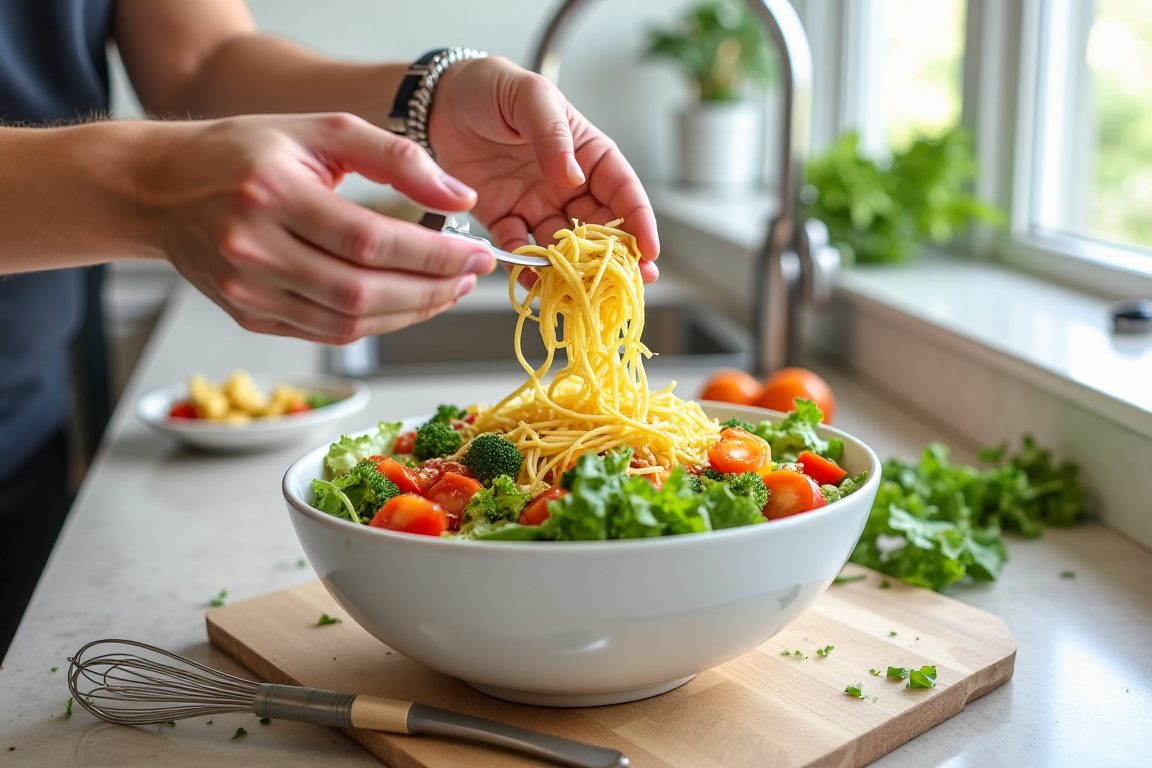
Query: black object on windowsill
[[1132, 316]]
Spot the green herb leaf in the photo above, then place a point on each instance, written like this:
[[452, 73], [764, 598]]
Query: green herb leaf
[[350, 451], [848, 579], [325, 620], [885, 584], [892, 633], [785, 652], [301, 563], [220, 599], [239, 732], [825, 650], [265, 720], [899, 672], [68, 708], [873, 672], [800, 655], [855, 690], [1067, 574], [925, 677], [55, 668]]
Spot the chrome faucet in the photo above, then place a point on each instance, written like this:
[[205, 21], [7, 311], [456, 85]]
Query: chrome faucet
[[796, 263]]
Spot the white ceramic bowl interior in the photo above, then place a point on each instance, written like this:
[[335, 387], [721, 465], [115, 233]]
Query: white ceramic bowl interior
[[259, 434], [582, 623]]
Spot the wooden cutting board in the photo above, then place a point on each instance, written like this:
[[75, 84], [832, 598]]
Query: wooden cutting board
[[762, 709]]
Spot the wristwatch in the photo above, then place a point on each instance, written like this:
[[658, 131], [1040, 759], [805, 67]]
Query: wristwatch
[[413, 102]]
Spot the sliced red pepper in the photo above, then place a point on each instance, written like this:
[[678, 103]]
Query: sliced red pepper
[[823, 471], [407, 480]]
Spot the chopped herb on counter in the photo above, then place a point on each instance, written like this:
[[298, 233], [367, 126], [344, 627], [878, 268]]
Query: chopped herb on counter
[[855, 690], [875, 699], [892, 633], [55, 668], [265, 720], [848, 579], [301, 563], [824, 651], [68, 708], [800, 655], [885, 584], [239, 732], [169, 723], [873, 672], [934, 523], [925, 677], [785, 652], [1067, 574], [899, 672], [325, 620], [219, 599]]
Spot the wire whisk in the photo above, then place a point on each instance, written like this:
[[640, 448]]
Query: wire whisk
[[132, 683]]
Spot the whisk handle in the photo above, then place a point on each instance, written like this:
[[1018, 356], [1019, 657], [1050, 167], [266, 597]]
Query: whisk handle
[[305, 705]]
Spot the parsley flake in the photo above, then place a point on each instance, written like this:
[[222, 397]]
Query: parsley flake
[[220, 599], [301, 563], [239, 732], [848, 579], [925, 677], [325, 620], [892, 633], [68, 708], [265, 720], [885, 584], [1067, 574], [899, 672], [824, 651], [873, 672], [800, 655], [55, 668], [855, 690], [785, 652]]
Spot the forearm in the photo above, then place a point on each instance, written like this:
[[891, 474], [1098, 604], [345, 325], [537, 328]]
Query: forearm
[[70, 196], [257, 73]]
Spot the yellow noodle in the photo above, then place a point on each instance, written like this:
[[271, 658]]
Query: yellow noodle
[[600, 398]]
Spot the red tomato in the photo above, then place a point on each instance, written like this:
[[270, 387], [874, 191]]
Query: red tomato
[[823, 471], [432, 470], [470, 418], [405, 443], [298, 407], [406, 479], [537, 510], [453, 493], [738, 451], [411, 514], [731, 386], [785, 385], [183, 410], [791, 493]]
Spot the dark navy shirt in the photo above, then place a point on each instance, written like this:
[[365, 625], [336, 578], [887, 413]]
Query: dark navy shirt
[[53, 69]]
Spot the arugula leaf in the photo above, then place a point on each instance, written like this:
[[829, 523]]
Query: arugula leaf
[[350, 451], [855, 690], [797, 432], [325, 620], [824, 651]]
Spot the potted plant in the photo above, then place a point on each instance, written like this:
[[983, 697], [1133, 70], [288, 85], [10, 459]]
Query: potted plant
[[721, 46]]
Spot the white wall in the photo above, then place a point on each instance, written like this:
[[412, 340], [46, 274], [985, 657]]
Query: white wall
[[632, 102]]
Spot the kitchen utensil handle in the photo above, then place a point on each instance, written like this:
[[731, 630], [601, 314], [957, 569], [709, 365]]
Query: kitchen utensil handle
[[441, 722]]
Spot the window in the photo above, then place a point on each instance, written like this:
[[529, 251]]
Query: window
[[1093, 135]]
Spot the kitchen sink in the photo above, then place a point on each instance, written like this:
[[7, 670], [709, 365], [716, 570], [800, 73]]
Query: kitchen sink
[[467, 340]]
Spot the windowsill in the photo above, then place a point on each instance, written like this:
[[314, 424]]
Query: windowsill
[[1054, 337]]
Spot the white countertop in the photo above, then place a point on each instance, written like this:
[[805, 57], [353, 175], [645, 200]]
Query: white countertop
[[158, 531]]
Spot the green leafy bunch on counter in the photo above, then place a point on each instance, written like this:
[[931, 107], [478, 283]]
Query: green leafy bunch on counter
[[885, 213], [933, 522]]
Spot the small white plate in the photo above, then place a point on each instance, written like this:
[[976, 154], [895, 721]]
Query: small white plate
[[259, 434]]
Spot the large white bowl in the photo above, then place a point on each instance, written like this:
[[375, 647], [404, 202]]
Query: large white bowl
[[259, 434], [582, 623]]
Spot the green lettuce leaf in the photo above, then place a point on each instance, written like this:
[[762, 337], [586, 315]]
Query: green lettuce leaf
[[350, 451], [797, 432]]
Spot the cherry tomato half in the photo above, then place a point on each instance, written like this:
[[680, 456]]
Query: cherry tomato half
[[823, 471], [298, 407], [411, 514], [731, 386], [790, 493], [183, 410], [453, 493], [405, 443], [407, 480], [537, 510], [738, 451]]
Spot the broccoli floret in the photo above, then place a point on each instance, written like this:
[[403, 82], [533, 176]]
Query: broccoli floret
[[494, 507], [491, 456], [446, 413], [366, 489], [738, 424], [696, 484], [435, 440], [748, 484]]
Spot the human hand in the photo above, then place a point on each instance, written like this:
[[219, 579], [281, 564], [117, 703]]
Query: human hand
[[535, 161], [244, 208]]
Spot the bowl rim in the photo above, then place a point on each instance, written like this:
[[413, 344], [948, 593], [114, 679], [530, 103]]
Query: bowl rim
[[680, 540], [356, 395]]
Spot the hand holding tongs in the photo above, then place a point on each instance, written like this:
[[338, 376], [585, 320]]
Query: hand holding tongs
[[437, 221]]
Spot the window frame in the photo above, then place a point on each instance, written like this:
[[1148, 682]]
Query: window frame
[[1000, 99]]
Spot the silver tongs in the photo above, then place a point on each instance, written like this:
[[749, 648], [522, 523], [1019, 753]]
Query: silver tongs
[[441, 224]]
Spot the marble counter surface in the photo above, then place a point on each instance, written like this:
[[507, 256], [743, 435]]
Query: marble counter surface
[[158, 531]]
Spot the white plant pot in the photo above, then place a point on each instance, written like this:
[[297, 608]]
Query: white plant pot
[[719, 144]]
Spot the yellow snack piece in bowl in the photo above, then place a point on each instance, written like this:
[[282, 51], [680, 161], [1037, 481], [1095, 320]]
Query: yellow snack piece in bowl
[[244, 395]]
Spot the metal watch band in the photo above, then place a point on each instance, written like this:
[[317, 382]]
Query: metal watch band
[[413, 103]]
